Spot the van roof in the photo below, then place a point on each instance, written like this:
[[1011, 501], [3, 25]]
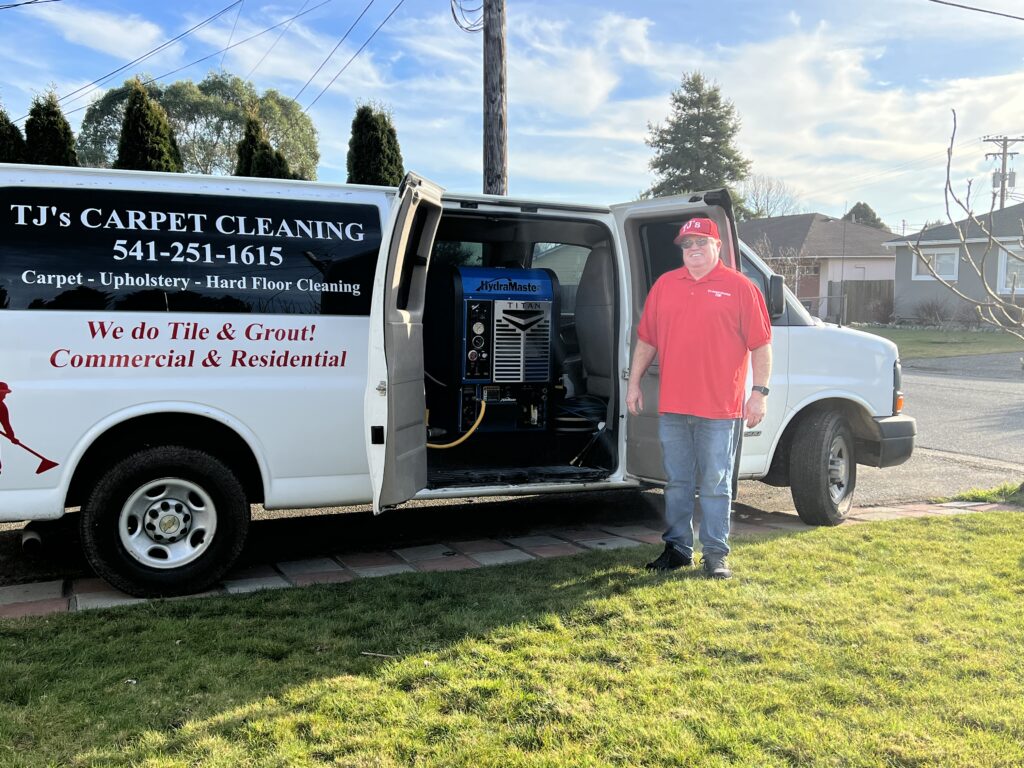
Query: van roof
[[199, 183]]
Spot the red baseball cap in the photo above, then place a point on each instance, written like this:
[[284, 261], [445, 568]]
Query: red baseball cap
[[4, 389], [700, 226]]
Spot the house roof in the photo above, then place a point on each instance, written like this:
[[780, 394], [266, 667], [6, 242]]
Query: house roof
[[814, 235], [1002, 223]]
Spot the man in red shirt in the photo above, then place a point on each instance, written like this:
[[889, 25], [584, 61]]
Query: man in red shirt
[[706, 323]]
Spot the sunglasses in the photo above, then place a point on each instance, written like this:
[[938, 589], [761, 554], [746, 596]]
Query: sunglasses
[[689, 242]]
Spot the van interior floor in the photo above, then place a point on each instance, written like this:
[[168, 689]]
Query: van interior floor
[[448, 477]]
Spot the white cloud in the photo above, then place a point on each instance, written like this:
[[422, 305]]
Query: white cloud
[[123, 36]]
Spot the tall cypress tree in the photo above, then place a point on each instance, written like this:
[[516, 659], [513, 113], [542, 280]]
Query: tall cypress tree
[[256, 157], [12, 143], [695, 150], [374, 156], [48, 136], [147, 142]]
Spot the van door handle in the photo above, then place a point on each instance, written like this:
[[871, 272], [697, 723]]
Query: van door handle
[[383, 387]]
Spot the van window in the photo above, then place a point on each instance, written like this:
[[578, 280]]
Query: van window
[[661, 255], [567, 262], [755, 275], [457, 253], [155, 251]]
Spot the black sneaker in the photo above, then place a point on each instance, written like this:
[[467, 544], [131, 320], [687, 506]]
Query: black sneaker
[[669, 560], [715, 567]]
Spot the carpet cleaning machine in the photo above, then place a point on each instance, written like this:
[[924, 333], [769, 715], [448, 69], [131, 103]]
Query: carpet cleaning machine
[[489, 342]]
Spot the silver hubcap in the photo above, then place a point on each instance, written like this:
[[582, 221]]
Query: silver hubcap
[[167, 523], [838, 469]]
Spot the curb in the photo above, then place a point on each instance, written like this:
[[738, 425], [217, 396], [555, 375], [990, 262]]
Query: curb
[[70, 595]]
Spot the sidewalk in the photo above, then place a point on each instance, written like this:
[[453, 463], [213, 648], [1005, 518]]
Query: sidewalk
[[62, 596]]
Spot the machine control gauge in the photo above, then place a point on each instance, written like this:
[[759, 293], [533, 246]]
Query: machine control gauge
[[478, 328]]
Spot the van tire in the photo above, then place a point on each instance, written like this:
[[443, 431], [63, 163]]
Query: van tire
[[138, 507], [823, 468]]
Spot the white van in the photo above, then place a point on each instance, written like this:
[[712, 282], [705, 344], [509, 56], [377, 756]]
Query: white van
[[174, 348]]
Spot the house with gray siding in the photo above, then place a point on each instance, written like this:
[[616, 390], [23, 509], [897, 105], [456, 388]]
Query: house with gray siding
[[919, 297], [820, 257]]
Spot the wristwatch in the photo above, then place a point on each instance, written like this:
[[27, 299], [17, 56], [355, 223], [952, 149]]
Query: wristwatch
[[762, 390]]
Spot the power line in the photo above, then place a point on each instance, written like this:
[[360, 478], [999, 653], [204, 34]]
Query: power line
[[210, 56], [388, 17], [143, 57], [232, 35], [274, 45], [461, 14], [335, 48], [871, 178], [5, 6], [159, 48], [979, 10]]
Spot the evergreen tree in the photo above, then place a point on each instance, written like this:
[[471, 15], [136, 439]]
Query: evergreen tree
[[861, 213], [695, 149], [374, 156], [48, 136], [208, 120], [269, 163], [255, 155], [12, 143], [147, 142]]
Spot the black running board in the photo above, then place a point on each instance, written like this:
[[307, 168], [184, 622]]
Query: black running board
[[454, 478]]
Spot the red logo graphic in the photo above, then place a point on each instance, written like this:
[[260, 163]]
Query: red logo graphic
[[5, 421]]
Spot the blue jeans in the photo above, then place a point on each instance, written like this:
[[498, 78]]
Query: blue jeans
[[699, 455]]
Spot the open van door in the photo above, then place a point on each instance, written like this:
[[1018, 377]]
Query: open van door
[[395, 405], [646, 230]]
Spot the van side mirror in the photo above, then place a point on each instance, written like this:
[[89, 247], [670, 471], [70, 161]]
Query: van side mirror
[[776, 296]]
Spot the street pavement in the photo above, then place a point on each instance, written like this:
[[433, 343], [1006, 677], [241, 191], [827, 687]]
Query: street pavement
[[54, 596]]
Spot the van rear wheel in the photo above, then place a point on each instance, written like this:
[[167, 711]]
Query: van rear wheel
[[823, 468], [165, 521]]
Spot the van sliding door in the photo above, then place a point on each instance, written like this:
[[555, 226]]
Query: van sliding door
[[395, 406]]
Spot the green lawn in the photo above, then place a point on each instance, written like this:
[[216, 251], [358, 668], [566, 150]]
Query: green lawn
[[1008, 493], [888, 644], [934, 342]]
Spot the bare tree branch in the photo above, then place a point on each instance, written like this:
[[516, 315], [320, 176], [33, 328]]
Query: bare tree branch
[[996, 308], [765, 197]]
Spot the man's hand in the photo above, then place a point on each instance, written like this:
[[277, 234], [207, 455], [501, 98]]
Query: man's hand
[[634, 399], [755, 409]]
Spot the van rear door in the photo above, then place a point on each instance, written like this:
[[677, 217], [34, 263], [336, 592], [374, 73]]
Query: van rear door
[[395, 407], [645, 231]]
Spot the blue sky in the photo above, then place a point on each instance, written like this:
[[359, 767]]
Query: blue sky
[[841, 101]]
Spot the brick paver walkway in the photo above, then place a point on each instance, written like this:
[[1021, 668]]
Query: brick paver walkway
[[61, 596]]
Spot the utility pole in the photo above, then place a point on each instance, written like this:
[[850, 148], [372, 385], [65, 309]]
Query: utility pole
[[495, 100], [492, 22], [1005, 142]]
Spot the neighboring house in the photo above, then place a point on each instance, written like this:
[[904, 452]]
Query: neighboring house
[[812, 251], [920, 297]]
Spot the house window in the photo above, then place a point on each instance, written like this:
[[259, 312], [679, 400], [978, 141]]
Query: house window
[[945, 263], [1010, 267]]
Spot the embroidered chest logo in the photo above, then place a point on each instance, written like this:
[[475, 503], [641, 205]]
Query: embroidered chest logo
[[718, 294]]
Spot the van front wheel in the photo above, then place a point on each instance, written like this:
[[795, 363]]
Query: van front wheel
[[823, 468], [165, 521]]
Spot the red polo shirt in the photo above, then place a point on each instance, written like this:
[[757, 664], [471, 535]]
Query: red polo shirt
[[704, 331]]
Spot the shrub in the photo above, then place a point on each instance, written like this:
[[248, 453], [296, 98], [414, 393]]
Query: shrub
[[933, 312]]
